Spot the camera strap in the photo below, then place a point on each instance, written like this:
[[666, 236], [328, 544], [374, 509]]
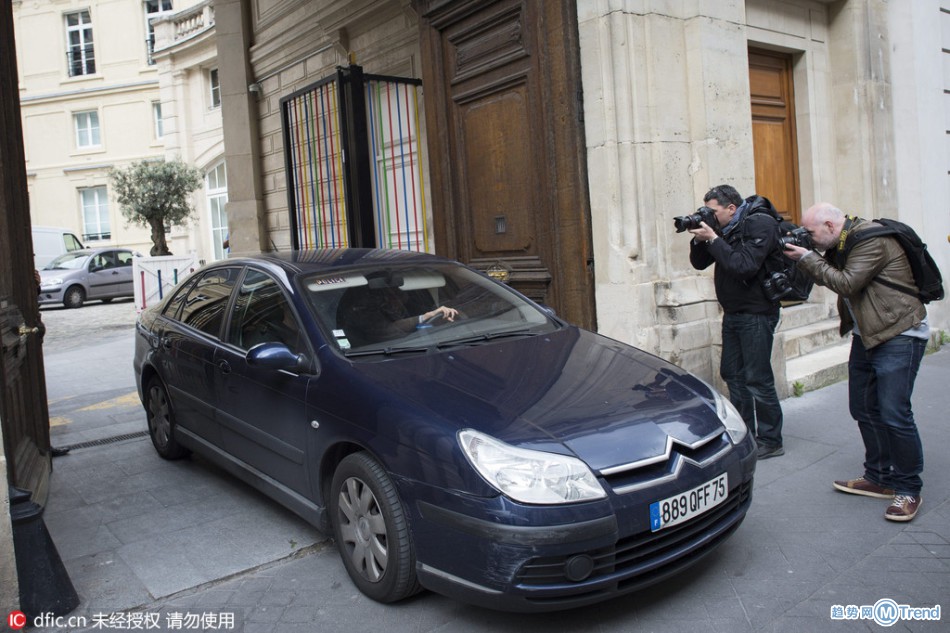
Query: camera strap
[[840, 253]]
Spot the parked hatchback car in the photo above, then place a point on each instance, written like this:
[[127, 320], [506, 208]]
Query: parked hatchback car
[[450, 433], [77, 276]]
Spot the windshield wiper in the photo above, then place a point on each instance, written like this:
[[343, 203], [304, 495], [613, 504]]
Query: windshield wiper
[[387, 351], [487, 336]]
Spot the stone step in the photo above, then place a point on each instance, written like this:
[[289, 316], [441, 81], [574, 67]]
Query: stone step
[[808, 338], [818, 368], [805, 314]]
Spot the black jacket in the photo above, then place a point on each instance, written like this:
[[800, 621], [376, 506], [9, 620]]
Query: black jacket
[[740, 257]]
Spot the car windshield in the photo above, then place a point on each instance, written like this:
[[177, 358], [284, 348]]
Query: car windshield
[[373, 311], [68, 261]]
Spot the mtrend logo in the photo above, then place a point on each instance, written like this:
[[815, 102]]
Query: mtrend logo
[[885, 612]]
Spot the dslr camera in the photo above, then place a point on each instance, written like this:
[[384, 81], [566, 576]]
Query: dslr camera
[[690, 222], [777, 286], [797, 237]]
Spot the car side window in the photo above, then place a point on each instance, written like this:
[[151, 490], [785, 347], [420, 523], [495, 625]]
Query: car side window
[[124, 258], [104, 260], [263, 315], [173, 307], [205, 303]]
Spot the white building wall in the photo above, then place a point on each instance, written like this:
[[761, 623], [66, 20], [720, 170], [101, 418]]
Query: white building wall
[[121, 91], [185, 53], [919, 42]]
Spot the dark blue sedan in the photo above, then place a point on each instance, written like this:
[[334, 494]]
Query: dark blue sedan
[[450, 433]]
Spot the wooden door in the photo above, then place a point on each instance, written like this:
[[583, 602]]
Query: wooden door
[[503, 110], [773, 131], [23, 409]]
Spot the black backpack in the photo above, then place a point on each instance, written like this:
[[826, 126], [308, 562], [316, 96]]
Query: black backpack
[[782, 280], [927, 276]]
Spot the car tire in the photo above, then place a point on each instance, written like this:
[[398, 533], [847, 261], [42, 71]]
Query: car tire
[[161, 421], [74, 297], [371, 530]]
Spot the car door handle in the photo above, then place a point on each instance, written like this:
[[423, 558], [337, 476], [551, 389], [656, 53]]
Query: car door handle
[[224, 366]]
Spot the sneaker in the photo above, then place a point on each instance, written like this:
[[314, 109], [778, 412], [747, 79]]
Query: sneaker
[[862, 486], [903, 508], [765, 452]]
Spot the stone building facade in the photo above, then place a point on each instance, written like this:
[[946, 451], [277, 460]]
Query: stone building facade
[[667, 113]]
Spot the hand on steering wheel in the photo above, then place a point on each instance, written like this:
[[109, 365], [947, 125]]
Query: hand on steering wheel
[[449, 314]]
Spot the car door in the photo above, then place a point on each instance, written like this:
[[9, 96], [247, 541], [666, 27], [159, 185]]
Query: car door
[[263, 412], [187, 338], [123, 269], [102, 277]]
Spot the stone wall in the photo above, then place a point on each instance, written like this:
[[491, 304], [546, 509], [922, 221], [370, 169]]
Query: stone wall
[[298, 43]]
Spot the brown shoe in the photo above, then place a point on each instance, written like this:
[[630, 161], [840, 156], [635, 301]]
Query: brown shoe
[[862, 486], [903, 508]]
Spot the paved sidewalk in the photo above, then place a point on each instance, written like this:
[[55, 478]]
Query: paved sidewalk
[[183, 544]]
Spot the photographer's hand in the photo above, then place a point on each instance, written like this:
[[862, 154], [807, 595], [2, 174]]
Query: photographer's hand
[[795, 252], [704, 233]]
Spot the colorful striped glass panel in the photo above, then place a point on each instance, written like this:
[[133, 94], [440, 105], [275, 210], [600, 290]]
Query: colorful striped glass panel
[[392, 112], [316, 167]]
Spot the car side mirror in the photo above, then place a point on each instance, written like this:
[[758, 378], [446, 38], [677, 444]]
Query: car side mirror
[[278, 356]]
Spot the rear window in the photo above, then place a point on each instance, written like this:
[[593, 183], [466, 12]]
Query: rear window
[[202, 306]]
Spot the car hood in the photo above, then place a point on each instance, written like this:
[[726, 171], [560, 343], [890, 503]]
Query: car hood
[[59, 273], [570, 392]]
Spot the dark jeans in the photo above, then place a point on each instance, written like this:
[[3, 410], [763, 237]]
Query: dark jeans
[[880, 383], [746, 366]]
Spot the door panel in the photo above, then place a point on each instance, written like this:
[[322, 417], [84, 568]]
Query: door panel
[[508, 178], [263, 412], [773, 131]]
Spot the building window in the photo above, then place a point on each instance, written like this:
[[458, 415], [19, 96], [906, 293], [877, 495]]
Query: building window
[[80, 54], [95, 214], [215, 88], [154, 9], [157, 118], [87, 129], [216, 188]]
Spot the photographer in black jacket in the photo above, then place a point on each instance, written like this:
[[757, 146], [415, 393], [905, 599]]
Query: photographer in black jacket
[[746, 236]]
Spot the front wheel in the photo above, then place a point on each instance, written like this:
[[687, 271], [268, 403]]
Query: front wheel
[[161, 421], [371, 530], [74, 297]]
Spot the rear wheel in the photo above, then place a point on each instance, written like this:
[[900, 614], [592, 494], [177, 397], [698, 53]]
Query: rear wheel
[[74, 297], [161, 421], [371, 530]]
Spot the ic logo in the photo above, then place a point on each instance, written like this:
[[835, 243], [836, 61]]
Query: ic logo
[[16, 620]]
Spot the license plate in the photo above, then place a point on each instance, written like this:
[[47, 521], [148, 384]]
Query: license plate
[[689, 504]]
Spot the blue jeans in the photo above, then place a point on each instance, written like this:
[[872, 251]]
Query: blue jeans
[[880, 383], [746, 367]]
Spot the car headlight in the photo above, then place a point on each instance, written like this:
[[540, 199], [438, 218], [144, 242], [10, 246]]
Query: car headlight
[[529, 476], [51, 283], [735, 425]]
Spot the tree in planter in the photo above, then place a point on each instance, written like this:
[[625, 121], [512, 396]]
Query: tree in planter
[[154, 194]]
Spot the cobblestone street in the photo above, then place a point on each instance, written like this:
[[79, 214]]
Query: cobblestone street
[[69, 329]]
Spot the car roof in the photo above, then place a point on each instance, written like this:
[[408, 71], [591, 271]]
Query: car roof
[[327, 260], [93, 251]]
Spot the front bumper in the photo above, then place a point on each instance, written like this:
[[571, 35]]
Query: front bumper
[[589, 553], [51, 296]]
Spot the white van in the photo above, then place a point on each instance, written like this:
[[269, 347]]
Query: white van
[[50, 242]]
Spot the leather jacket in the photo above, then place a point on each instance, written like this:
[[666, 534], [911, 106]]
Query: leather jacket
[[881, 312]]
